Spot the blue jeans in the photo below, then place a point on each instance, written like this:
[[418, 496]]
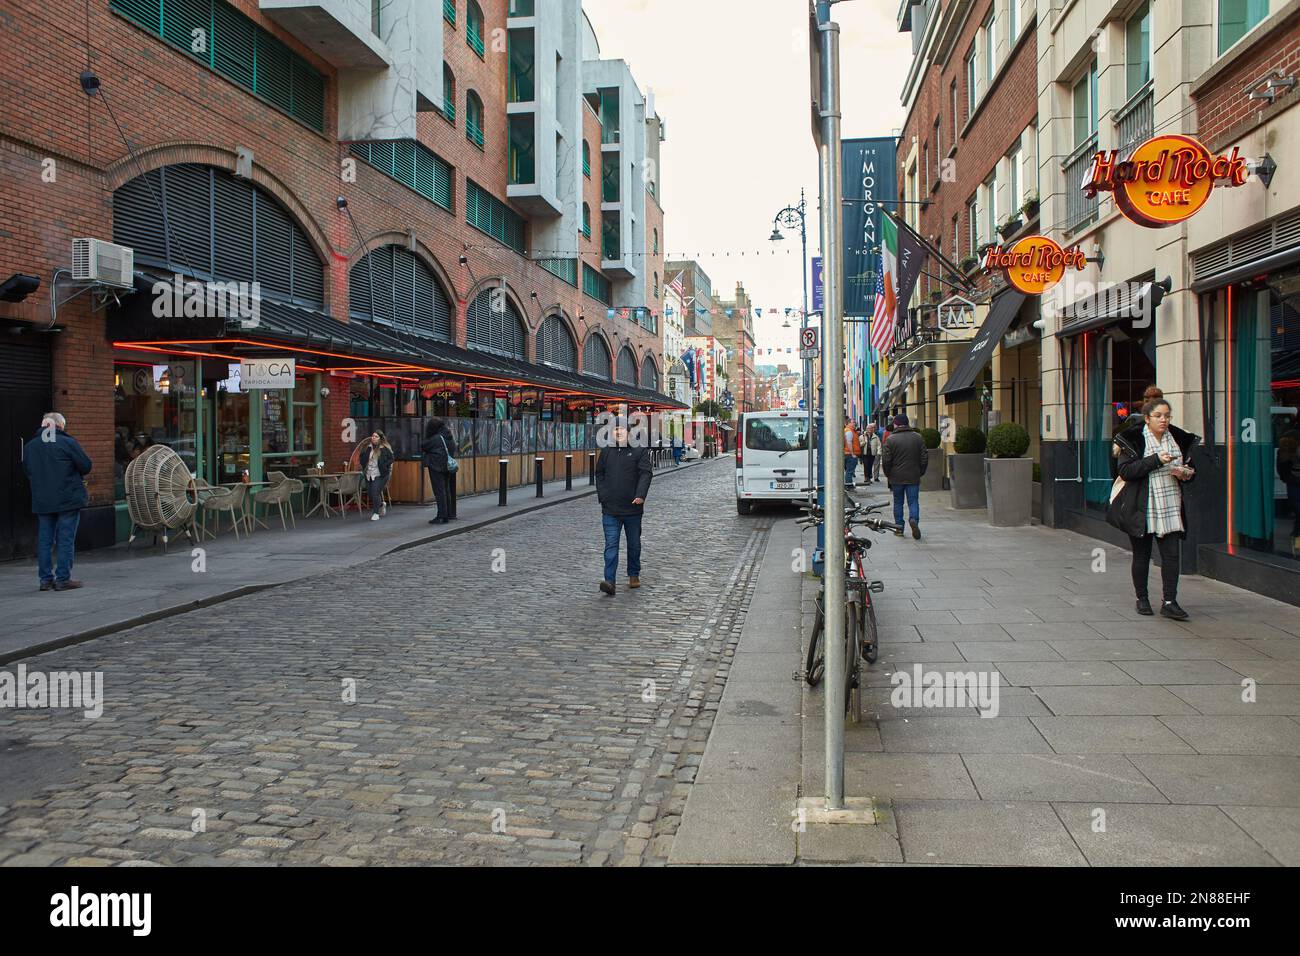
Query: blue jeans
[[614, 525], [56, 532], [913, 493], [850, 468]]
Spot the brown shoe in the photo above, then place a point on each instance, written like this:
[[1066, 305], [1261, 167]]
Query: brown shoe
[[66, 585], [634, 582]]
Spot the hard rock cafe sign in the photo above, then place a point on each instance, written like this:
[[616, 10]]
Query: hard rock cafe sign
[[1166, 180], [1034, 264]]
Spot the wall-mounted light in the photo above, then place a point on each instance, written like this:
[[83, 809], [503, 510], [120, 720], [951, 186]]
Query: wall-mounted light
[[1263, 169], [1098, 256], [324, 392], [341, 202]]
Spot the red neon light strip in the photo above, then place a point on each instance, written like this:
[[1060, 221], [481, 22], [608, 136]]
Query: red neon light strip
[[1227, 352]]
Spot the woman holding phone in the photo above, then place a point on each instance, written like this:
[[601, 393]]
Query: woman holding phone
[[1147, 504]]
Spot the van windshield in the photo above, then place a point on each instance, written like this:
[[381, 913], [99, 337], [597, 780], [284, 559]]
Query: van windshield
[[776, 434]]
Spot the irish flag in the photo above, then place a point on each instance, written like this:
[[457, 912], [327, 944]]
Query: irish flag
[[886, 314]]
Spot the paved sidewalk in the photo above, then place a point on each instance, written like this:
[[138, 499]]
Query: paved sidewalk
[[127, 588], [1119, 739]]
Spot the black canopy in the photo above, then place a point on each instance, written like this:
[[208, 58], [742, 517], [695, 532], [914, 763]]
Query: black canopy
[[961, 383]]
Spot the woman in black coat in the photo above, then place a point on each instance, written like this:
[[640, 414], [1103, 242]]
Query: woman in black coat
[[439, 447], [376, 461], [1147, 502]]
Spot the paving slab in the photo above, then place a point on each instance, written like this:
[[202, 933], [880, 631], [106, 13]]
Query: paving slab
[[1067, 673], [1103, 649], [1239, 780], [1226, 734], [1049, 777], [1142, 835], [962, 734], [984, 833], [1111, 735], [1276, 829], [1268, 700], [1179, 672], [1135, 701], [1008, 651]]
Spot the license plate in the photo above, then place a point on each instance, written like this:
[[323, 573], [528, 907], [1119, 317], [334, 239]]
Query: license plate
[[782, 485]]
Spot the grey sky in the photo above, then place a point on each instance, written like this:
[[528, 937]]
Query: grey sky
[[730, 79]]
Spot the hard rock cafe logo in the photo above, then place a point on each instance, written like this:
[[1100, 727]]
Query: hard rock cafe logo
[[1034, 264], [1166, 180]]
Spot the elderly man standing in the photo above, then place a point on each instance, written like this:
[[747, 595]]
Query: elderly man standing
[[55, 464]]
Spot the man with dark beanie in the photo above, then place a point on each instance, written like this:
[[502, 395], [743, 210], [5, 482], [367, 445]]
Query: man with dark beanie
[[903, 461], [623, 476]]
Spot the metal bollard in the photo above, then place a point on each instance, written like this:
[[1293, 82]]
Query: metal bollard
[[591, 467], [537, 472], [502, 479], [568, 472]]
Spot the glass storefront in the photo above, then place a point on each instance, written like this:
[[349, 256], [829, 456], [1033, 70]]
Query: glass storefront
[[1257, 390], [199, 409]]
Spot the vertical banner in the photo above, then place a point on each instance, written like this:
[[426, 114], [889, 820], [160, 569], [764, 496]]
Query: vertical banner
[[869, 175], [819, 286]]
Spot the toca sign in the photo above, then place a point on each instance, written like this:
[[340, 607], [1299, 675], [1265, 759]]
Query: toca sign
[[1034, 264], [1166, 180]]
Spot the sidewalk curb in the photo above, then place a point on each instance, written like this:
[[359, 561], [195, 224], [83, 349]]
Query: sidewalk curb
[[103, 630]]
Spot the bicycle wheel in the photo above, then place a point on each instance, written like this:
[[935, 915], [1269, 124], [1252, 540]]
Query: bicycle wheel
[[815, 664], [852, 616], [870, 633]]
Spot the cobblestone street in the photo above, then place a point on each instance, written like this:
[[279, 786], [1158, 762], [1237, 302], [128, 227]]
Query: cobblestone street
[[516, 717]]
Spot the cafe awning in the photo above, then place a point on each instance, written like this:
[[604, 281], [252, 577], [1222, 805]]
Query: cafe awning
[[961, 383], [1121, 302]]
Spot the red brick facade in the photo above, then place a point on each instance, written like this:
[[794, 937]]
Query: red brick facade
[[173, 109]]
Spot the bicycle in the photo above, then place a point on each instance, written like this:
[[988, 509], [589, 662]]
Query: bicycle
[[861, 634]]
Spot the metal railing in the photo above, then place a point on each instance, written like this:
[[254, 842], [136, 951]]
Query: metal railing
[[1079, 209], [1134, 122]]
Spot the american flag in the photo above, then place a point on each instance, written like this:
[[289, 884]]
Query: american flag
[[882, 328], [676, 284]]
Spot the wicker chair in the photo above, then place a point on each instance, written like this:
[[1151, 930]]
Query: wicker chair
[[279, 493], [232, 500], [348, 490]]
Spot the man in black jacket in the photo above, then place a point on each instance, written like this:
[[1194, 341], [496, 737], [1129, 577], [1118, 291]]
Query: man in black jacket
[[439, 450], [903, 461], [56, 465], [622, 482]]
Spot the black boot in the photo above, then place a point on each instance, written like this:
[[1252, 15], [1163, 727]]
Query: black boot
[[1144, 607], [1171, 610]]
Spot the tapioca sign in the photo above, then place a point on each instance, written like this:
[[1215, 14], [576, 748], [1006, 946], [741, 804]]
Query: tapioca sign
[[1166, 180], [1034, 264]]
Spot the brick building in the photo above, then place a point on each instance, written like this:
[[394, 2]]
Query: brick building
[[439, 210]]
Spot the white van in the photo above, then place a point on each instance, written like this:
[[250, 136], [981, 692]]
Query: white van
[[771, 458]]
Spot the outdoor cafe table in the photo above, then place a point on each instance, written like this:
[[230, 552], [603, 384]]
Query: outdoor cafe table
[[317, 479]]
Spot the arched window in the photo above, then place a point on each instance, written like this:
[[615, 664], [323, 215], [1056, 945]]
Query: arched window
[[656, 244], [391, 286], [656, 296], [500, 330], [627, 366], [219, 227], [555, 345], [474, 119], [448, 94], [586, 221], [474, 27], [586, 159], [649, 374], [595, 356]]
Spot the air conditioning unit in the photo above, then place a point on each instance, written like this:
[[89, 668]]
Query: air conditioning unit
[[94, 260]]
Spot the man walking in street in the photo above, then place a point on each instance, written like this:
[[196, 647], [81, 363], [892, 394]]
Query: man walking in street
[[870, 452], [904, 460], [55, 464], [852, 449], [622, 482]]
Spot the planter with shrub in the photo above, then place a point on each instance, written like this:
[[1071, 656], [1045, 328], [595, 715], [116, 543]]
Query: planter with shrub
[[966, 469], [968, 264], [1009, 227], [1008, 476], [932, 480]]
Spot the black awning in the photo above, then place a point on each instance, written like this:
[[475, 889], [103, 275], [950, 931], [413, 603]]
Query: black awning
[[961, 383], [1124, 301]]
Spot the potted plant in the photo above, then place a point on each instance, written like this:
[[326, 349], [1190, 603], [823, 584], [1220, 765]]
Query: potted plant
[[1030, 208], [968, 264], [1009, 227], [1008, 476], [966, 469], [932, 480]]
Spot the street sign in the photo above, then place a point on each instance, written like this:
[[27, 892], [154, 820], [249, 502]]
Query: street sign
[[803, 406], [809, 353], [819, 289], [808, 338]]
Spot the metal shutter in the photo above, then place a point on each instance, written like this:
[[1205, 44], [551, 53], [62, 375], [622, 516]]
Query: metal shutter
[[138, 218], [25, 365], [441, 313], [649, 375], [234, 43], [595, 356], [147, 13], [627, 367], [274, 72], [308, 94], [180, 18], [235, 254], [274, 253], [403, 288], [404, 161], [308, 272], [188, 192]]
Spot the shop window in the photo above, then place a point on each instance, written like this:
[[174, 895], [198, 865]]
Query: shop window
[[1237, 18], [1137, 50]]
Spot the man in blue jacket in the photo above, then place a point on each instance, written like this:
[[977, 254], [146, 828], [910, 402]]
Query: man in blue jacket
[[55, 464], [623, 476]]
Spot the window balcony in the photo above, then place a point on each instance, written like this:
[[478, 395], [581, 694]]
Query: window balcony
[[338, 30], [1079, 209], [1134, 122]]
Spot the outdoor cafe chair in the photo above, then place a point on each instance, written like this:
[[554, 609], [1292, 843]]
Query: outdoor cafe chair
[[279, 493], [348, 489], [231, 500]]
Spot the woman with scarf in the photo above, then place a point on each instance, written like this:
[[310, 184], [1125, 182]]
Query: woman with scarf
[[1147, 500]]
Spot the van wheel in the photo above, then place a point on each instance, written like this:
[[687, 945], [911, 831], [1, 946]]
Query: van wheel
[[744, 507]]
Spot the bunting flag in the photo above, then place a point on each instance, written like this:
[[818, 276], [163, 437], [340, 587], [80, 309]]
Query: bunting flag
[[688, 359]]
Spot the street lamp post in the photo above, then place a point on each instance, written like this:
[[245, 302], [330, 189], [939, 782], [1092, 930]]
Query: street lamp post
[[787, 218]]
